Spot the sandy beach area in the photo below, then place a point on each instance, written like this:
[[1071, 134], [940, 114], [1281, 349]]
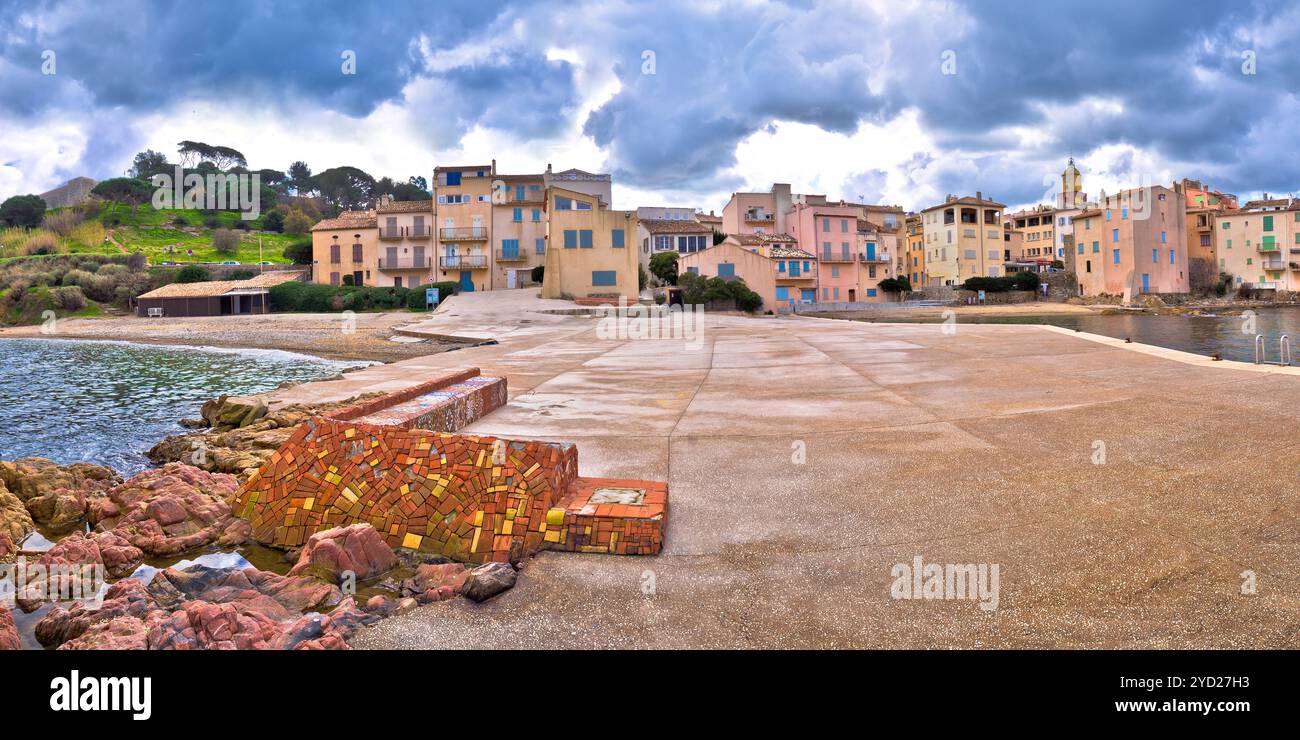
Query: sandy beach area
[[323, 335]]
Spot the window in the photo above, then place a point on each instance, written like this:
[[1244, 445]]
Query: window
[[518, 215], [334, 254], [844, 225], [537, 215], [334, 278], [782, 293], [584, 238], [871, 292], [1155, 255], [616, 238], [604, 277], [826, 224], [356, 252], [1228, 224], [780, 266], [570, 238], [1096, 247], [579, 205], [1107, 214], [1123, 212], [509, 248], [540, 246], [726, 269], [1268, 223], [519, 192], [563, 204], [453, 178], [1172, 252], [1164, 238], [1080, 248], [1114, 235], [835, 271], [1115, 256]]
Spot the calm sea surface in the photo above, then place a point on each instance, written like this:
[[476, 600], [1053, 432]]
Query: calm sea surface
[[109, 402], [1229, 336]]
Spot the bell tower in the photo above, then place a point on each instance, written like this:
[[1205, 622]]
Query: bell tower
[[1072, 195]]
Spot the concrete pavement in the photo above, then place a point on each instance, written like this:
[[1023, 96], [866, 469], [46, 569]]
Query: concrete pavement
[[807, 457]]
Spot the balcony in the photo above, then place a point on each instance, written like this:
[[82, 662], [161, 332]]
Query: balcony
[[463, 262], [418, 232], [1273, 264], [758, 217], [463, 233], [406, 263], [880, 258], [392, 232], [517, 255], [1268, 247], [838, 257]]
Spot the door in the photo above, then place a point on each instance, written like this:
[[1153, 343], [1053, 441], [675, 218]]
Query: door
[[417, 260], [397, 282], [853, 295], [466, 282], [1146, 283], [390, 257], [512, 278], [356, 278], [871, 251]]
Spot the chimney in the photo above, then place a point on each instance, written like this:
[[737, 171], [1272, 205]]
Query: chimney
[[548, 168], [494, 165], [979, 195]]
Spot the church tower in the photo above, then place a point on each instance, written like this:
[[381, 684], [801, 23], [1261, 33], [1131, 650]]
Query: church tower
[[1072, 195]]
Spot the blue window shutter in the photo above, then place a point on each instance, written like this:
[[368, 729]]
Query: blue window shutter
[[780, 266], [519, 214], [537, 214], [540, 246], [782, 293], [584, 238], [453, 178], [617, 237], [570, 239], [604, 277], [726, 269], [519, 192]]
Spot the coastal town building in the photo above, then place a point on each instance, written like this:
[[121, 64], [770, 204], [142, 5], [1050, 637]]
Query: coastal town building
[[590, 252], [914, 260], [683, 236], [1070, 202], [1034, 246], [345, 249], [729, 261], [598, 184], [1133, 242], [462, 212], [1259, 244], [794, 272], [963, 239], [518, 233], [214, 297], [1204, 205], [404, 255], [758, 213]]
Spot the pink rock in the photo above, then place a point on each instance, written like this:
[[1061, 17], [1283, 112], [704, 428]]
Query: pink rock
[[118, 633], [358, 549], [126, 598], [432, 577], [200, 625], [171, 509], [8, 630]]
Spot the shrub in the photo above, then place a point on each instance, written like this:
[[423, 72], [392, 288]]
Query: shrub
[[299, 253], [225, 241], [415, 301], [180, 220], [23, 210], [273, 221], [1024, 280], [896, 285], [63, 221], [212, 222], [697, 289], [41, 242], [69, 298], [193, 274], [297, 222], [664, 267], [347, 279], [240, 274]]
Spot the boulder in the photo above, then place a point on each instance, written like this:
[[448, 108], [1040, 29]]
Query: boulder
[[234, 412], [15, 524], [435, 582], [169, 510], [56, 495], [101, 556], [202, 625], [8, 630], [277, 596], [488, 580], [126, 598], [118, 633], [326, 631], [358, 549]]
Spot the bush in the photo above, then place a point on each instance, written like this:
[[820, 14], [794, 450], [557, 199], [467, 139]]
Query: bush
[[63, 221], [69, 298], [697, 289], [297, 222], [225, 241], [193, 274], [273, 221], [1014, 281], [299, 253], [347, 279], [316, 298], [23, 210], [896, 285], [180, 220], [415, 301], [41, 242], [240, 274], [664, 267]]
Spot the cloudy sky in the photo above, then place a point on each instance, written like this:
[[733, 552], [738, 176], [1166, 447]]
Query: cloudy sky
[[683, 101]]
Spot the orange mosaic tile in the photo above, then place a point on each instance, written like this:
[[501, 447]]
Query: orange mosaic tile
[[470, 498]]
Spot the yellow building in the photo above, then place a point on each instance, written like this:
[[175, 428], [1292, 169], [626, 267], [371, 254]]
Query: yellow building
[[914, 257], [963, 239], [1259, 245], [462, 212], [405, 251], [590, 250], [1034, 246], [345, 249]]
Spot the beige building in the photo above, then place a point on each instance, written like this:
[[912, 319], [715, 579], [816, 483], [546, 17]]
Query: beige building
[[598, 184], [683, 236], [1034, 246], [1259, 245], [758, 213], [345, 249], [405, 251], [963, 239], [518, 235], [730, 260], [590, 249]]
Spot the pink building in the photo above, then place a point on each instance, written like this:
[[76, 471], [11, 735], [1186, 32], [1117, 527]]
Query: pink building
[[757, 213]]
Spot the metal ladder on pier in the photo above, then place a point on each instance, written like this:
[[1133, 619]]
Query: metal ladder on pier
[[1284, 356]]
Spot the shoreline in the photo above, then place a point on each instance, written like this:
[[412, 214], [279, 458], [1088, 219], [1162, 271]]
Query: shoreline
[[324, 336]]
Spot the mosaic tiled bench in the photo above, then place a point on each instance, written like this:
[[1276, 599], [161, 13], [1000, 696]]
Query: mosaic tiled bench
[[470, 498]]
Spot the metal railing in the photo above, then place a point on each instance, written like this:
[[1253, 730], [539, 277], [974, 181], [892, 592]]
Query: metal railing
[[462, 261], [760, 217], [406, 263], [392, 232], [454, 233], [517, 255], [1284, 355]]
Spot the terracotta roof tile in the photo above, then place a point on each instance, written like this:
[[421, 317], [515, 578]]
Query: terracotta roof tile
[[212, 288], [673, 226]]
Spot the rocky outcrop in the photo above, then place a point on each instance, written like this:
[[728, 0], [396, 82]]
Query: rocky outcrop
[[280, 596], [8, 630], [127, 598], [233, 412], [239, 449], [15, 524], [169, 510], [435, 582], [357, 549], [118, 633], [56, 495], [488, 580]]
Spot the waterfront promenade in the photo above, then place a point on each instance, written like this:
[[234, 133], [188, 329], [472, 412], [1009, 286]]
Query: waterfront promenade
[[1122, 494]]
